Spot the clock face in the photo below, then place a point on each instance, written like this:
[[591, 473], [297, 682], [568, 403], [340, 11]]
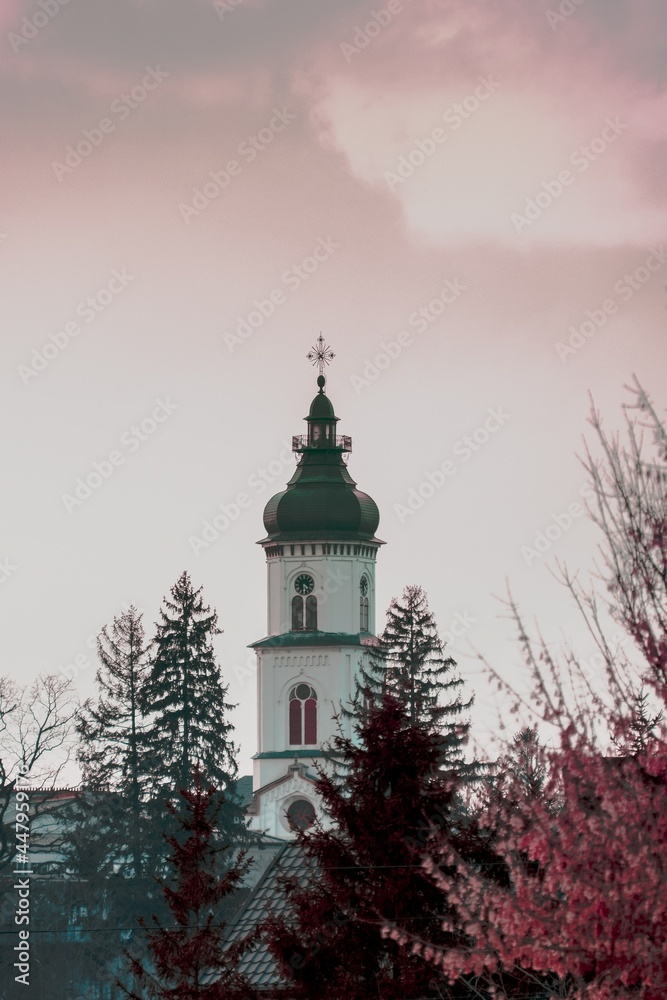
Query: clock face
[[363, 585], [304, 584]]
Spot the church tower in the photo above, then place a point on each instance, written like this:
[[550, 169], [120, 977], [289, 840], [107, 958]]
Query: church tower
[[321, 550]]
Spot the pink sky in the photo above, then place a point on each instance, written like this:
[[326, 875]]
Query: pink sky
[[584, 96]]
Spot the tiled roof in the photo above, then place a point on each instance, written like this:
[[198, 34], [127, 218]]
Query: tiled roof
[[243, 789], [258, 964]]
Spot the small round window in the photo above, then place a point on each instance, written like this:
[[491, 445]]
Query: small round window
[[302, 692], [301, 814]]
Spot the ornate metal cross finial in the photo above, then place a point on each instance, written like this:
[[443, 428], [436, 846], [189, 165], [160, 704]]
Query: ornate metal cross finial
[[321, 354]]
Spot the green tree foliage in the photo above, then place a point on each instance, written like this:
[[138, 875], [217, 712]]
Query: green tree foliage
[[366, 869], [112, 740], [409, 663], [185, 702]]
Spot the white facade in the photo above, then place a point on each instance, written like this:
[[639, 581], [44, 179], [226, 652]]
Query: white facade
[[329, 667], [320, 553], [337, 579]]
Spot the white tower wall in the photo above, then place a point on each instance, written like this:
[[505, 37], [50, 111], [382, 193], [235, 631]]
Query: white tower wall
[[321, 618]]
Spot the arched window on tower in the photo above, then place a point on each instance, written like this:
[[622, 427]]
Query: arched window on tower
[[304, 604], [363, 604], [302, 715], [297, 614], [311, 613]]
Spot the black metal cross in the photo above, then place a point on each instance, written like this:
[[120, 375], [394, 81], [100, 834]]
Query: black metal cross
[[321, 354]]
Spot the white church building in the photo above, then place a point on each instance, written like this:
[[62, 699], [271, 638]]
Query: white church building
[[321, 550]]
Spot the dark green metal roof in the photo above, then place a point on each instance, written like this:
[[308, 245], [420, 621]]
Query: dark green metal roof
[[311, 508], [243, 789], [289, 639], [321, 408], [275, 754], [321, 497]]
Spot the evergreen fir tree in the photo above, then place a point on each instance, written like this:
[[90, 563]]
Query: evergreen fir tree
[[366, 871], [111, 738], [409, 663], [185, 698], [107, 844], [189, 960]]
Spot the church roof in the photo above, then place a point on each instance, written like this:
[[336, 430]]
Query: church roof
[[290, 755], [258, 964], [321, 408], [243, 789], [314, 638], [321, 499]]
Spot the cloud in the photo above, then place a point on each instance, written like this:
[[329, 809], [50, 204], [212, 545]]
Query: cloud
[[497, 159], [380, 102], [468, 169]]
